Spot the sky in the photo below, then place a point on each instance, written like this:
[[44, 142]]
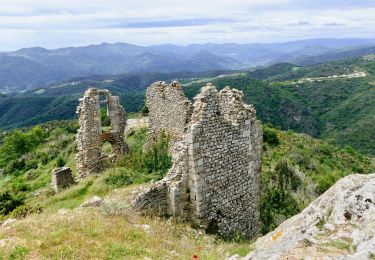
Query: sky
[[61, 23]]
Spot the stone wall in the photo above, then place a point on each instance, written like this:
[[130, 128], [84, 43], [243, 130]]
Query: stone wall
[[90, 137], [215, 177], [169, 110], [89, 143], [61, 178]]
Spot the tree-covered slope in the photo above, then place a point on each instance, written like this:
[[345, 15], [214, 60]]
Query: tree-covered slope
[[323, 100], [328, 100]]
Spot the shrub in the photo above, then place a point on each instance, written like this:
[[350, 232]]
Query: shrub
[[157, 157], [106, 121], [25, 210], [19, 252], [121, 177], [278, 201], [31, 164], [150, 164], [270, 136], [14, 166], [8, 203], [60, 161], [325, 181]]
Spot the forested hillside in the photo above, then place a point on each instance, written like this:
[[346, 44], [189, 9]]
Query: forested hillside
[[314, 99], [334, 101]]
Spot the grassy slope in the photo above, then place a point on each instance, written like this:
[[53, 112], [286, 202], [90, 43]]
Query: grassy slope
[[109, 232]]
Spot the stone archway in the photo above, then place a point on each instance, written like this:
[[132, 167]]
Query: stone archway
[[90, 136]]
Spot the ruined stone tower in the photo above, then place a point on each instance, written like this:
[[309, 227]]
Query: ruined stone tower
[[215, 177], [90, 137], [169, 111]]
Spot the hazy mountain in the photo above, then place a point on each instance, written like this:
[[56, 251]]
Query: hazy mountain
[[33, 67]]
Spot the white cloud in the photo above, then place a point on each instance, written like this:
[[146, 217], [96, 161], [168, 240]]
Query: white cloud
[[51, 24]]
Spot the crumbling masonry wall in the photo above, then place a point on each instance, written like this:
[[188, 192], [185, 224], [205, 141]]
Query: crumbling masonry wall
[[90, 138], [169, 111], [215, 177]]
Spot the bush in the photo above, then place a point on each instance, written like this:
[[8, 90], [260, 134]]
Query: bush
[[14, 166], [106, 121], [325, 180], [278, 201], [150, 164], [157, 157], [19, 143], [8, 203], [25, 210], [60, 161], [121, 177], [270, 136]]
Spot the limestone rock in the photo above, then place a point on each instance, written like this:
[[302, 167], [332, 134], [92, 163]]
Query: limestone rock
[[145, 227], [8, 222], [94, 201], [348, 211]]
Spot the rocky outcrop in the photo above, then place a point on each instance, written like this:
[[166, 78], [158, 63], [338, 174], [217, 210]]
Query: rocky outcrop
[[215, 177], [340, 224]]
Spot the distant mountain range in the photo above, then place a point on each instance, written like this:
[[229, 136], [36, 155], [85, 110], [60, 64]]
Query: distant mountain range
[[30, 68]]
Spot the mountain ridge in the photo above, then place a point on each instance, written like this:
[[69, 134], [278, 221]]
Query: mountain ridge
[[29, 68]]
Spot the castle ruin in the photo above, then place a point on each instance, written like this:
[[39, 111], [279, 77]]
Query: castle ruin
[[90, 136], [169, 111], [215, 178]]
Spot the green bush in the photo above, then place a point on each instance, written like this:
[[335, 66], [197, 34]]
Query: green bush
[[270, 136], [19, 143], [19, 252], [25, 210], [106, 121], [60, 161], [121, 177], [278, 201], [325, 181], [8, 203], [155, 158]]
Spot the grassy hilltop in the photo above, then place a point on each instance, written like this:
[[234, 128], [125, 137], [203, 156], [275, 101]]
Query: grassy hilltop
[[296, 169]]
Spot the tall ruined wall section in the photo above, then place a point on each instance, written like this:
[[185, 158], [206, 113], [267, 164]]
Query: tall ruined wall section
[[215, 177], [169, 110], [89, 143], [90, 137], [117, 115]]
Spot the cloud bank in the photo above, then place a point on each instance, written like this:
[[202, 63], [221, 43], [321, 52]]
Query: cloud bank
[[59, 23]]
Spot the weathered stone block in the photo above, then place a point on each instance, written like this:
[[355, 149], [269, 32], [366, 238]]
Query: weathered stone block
[[61, 178]]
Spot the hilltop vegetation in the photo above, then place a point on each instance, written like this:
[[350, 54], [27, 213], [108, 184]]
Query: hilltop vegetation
[[296, 169]]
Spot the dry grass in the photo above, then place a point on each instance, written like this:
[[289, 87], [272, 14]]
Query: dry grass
[[111, 232]]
